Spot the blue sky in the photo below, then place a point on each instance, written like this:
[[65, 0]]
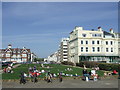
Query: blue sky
[[41, 25]]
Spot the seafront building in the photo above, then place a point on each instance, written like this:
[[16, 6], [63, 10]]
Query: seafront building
[[16, 54], [94, 45], [64, 49]]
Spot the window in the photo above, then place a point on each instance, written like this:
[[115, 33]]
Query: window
[[81, 49], [111, 43], [98, 49], [98, 42], [7, 55], [86, 42], [23, 59], [96, 35], [93, 49], [106, 42], [64, 51], [111, 49], [106, 49], [93, 42], [84, 35], [24, 55], [81, 41], [86, 49]]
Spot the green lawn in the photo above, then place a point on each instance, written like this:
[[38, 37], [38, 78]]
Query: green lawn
[[55, 68]]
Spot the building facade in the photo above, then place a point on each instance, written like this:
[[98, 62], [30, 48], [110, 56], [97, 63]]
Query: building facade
[[16, 54], [93, 45], [64, 49], [52, 58]]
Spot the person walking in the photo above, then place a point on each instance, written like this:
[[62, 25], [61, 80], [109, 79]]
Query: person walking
[[34, 74], [60, 77], [49, 77], [22, 78]]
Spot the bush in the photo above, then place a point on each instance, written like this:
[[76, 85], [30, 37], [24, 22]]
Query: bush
[[108, 67], [88, 64], [102, 66], [67, 63]]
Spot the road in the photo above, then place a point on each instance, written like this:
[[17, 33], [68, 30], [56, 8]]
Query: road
[[67, 83]]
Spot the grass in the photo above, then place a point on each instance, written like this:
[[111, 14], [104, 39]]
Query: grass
[[55, 68]]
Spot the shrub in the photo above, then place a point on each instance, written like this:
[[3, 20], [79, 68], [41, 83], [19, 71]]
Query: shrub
[[102, 66], [88, 64], [67, 63]]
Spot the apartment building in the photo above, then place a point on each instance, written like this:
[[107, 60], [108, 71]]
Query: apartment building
[[53, 57], [63, 51], [16, 54], [93, 45]]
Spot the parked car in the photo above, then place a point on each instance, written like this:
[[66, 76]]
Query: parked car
[[6, 63]]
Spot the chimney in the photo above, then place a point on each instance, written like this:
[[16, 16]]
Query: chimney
[[99, 29], [9, 46], [23, 47], [78, 28], [111, 30]]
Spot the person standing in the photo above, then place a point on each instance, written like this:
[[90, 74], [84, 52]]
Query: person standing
[[49, 77], [84, 73], [22, 78]]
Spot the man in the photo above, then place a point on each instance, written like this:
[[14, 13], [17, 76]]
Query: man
[[22, 78], [85, 74]]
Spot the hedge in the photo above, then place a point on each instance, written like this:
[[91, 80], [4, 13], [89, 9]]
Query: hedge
[[102, 66], [67, 63]]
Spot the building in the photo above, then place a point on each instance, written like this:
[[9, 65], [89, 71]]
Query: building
[[52, 58], [93, 45], [64, 50], [16, 54]]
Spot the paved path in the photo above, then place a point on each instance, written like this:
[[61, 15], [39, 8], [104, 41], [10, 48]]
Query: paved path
[[68, 83], [14, 66]]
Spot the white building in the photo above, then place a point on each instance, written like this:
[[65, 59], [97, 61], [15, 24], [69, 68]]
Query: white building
[[93, 45], [52, 58], [64, 49]]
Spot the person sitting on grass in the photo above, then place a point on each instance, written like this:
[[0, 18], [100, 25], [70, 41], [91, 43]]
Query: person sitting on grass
[[5, 70], [114, 72]]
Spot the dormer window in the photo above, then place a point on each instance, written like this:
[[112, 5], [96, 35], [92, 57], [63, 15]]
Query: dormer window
[[84, 35]]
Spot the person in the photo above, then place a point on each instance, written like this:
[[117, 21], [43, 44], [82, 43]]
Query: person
[[60, 77], [114, 72], [49, 77], [89, 74], [11, 65], [5, 70], [22, 78], [34, 68], [85, 73], [42, 71], [119, 72], [34, 74], [9, 69], [30, 69]]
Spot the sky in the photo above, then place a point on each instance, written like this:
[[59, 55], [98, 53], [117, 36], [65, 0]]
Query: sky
[[40, 26]]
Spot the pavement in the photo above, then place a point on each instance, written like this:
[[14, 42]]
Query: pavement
[[67, 83], [16, 65]]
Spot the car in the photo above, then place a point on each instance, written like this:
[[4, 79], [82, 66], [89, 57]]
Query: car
[[6, 63]]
